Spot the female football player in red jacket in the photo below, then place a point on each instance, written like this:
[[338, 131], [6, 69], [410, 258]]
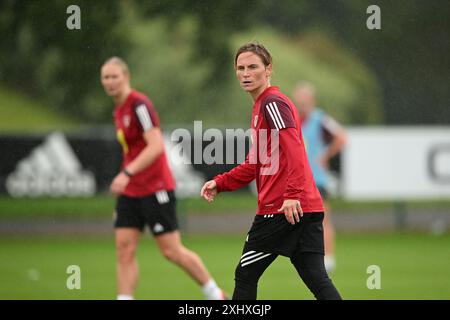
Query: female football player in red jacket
[[290, 212]]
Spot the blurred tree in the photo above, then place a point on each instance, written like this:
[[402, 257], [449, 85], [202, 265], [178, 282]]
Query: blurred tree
[[415, 33], [218, 20], [408, 55], [42, 57]]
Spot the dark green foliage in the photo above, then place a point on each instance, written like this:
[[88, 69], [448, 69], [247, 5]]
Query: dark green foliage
[[408, 56], [42, 57]]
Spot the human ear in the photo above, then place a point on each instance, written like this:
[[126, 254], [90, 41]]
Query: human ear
[[269, 70]]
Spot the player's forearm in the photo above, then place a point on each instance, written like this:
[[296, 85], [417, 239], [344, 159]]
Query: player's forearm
[[236, 178], [147, 156], [292, 150]]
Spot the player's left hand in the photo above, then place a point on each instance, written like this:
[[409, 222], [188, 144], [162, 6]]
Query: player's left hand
[[209, 191], [292, 210], [119, 183]]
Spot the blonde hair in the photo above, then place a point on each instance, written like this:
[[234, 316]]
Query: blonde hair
[[119, 61]]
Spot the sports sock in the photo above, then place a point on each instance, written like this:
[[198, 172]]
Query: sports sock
[[125, 297], [212, 291]]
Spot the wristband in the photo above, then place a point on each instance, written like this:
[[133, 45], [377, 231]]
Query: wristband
[[127, 173]]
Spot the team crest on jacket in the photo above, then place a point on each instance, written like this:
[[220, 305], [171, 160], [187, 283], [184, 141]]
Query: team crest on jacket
[[255, 120], [126, 120]]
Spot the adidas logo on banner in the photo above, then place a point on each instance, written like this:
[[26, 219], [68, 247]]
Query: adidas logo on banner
[[51, 169]]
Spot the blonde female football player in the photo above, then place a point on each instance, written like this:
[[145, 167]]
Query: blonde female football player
[[145, 187]]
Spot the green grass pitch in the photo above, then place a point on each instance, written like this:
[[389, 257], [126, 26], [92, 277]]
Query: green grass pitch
[[413, 266]]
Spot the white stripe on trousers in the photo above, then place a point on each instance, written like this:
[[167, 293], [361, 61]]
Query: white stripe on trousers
[[162, 197], [247, 253], [251, 257], [254, 260]]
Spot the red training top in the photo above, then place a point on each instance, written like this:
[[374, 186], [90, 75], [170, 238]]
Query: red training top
[[135, 116], [277, 159]]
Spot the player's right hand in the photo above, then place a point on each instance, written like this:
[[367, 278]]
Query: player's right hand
[[292, 210], [119, 184], [209, 190]]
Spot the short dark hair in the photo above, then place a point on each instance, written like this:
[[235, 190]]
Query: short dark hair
[[257, 49]]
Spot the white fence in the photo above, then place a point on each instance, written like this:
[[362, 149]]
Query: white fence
[[396, 163]]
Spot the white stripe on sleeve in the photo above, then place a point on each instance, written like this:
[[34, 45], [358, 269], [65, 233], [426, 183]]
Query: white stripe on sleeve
[[273, 118], [275, 114], [144, 117], [279, 115]]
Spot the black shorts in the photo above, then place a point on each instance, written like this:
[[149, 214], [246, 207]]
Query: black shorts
[[274, 234], [157, 210]]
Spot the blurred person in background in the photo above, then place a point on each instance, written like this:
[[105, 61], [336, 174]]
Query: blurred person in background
[[324, 138], [289, 217], [145, 187]]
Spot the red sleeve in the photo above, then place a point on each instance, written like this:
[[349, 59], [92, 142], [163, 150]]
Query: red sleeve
[[277, 113], [238, 177], [291, 146]]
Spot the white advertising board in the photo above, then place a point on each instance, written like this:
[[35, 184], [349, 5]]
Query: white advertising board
[[396, 163]]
